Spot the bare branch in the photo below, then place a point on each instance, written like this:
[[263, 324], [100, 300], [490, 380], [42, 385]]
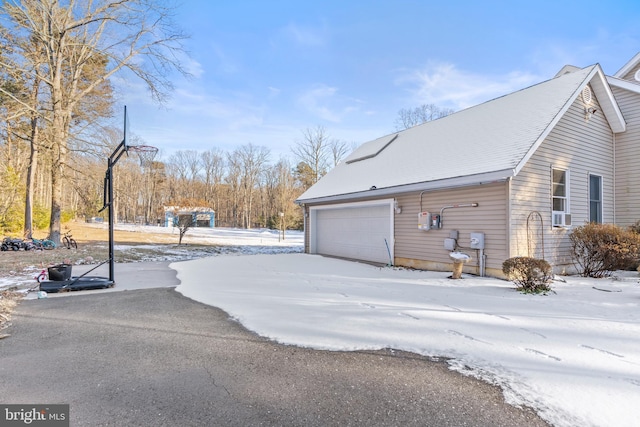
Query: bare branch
[[424, 113]]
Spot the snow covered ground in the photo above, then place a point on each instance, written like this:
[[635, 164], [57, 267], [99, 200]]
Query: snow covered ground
[[236, 237], [573, 355], [219, 241]]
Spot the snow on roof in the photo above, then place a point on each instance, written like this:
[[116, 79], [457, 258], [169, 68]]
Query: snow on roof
[[187, 209], [485, 143]]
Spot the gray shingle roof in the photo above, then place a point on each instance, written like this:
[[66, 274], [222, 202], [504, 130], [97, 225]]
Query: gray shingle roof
[[483, 143]]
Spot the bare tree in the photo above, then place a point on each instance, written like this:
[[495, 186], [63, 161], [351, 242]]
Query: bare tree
[[194, 164], [187, 165], [69, 35], [339, 150], [34, 145], [213, 165], [286, 193], [425, 113], [184, 223], [314, 150], [252, 161], [150, 171]]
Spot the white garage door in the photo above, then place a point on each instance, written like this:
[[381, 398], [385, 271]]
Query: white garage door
[[361, 231]]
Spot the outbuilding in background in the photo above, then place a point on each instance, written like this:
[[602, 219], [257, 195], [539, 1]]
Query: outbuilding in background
[[201, 216]]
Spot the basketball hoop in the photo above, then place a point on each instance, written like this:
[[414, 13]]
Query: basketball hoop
[[146, 153]]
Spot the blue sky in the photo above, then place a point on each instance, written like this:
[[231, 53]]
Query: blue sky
[[263, 71]]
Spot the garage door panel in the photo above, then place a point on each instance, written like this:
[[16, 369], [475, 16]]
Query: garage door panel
[[354, 232]]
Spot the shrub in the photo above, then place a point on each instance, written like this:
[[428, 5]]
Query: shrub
[[635, 228], [600, 249], [41, 217], [531, 275], [67, 215], [12, 220]]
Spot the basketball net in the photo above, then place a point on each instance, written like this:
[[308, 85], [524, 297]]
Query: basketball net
[[146, 154]]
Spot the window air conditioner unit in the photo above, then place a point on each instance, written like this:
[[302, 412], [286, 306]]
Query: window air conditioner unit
[[561, 219]]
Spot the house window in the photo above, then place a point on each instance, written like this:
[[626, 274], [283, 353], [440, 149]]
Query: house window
[[560, 198], [595, 198]]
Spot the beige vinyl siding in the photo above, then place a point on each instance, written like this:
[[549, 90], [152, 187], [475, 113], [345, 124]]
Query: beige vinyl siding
[[425, 249], [630, 75], [575, 145], [627, 159]]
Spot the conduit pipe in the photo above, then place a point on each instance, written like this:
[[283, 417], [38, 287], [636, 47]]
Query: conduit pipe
[[464, 205]]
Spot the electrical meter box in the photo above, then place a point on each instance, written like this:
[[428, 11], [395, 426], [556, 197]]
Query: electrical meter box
[[477, 241], [424, 221]]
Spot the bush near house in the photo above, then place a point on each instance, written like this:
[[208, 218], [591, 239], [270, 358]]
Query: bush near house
[[531, 275], [635, 227], [600, 249]]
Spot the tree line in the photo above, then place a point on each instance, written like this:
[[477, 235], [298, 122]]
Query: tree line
[[245, 187]]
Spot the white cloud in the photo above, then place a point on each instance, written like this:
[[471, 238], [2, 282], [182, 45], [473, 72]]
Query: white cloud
[[316, 99], [449, 87], [225, 63], [273, 91], [193, 102], [326, 103], [305, 36], [192, 66]]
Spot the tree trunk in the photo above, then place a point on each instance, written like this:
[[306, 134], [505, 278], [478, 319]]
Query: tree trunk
[[57, 174], [56, 201], [31, 176], [33, 158]]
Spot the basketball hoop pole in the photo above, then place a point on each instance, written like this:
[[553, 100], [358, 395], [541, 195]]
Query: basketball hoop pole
[[108, 192], [111, 162]]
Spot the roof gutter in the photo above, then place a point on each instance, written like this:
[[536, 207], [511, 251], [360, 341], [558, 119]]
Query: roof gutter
[[628, 66], [442, 184], [610, 107], [633, 87]]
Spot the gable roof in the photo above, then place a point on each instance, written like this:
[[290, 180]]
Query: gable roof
[[628, 66], [489, 142]]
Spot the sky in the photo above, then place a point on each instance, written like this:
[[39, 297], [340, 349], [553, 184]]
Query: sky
[[262, 72], [572, 355]]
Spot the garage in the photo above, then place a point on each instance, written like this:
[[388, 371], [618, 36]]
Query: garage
[[361, 231]]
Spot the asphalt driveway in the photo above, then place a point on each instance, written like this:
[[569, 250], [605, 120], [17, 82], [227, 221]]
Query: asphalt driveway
[[151, 357]]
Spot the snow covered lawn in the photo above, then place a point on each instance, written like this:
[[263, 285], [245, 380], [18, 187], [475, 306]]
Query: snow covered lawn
[[573, 355]]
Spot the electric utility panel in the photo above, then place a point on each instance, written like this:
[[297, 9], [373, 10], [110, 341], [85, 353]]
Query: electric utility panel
[[427, 221], [424, 221], [435, 220]]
